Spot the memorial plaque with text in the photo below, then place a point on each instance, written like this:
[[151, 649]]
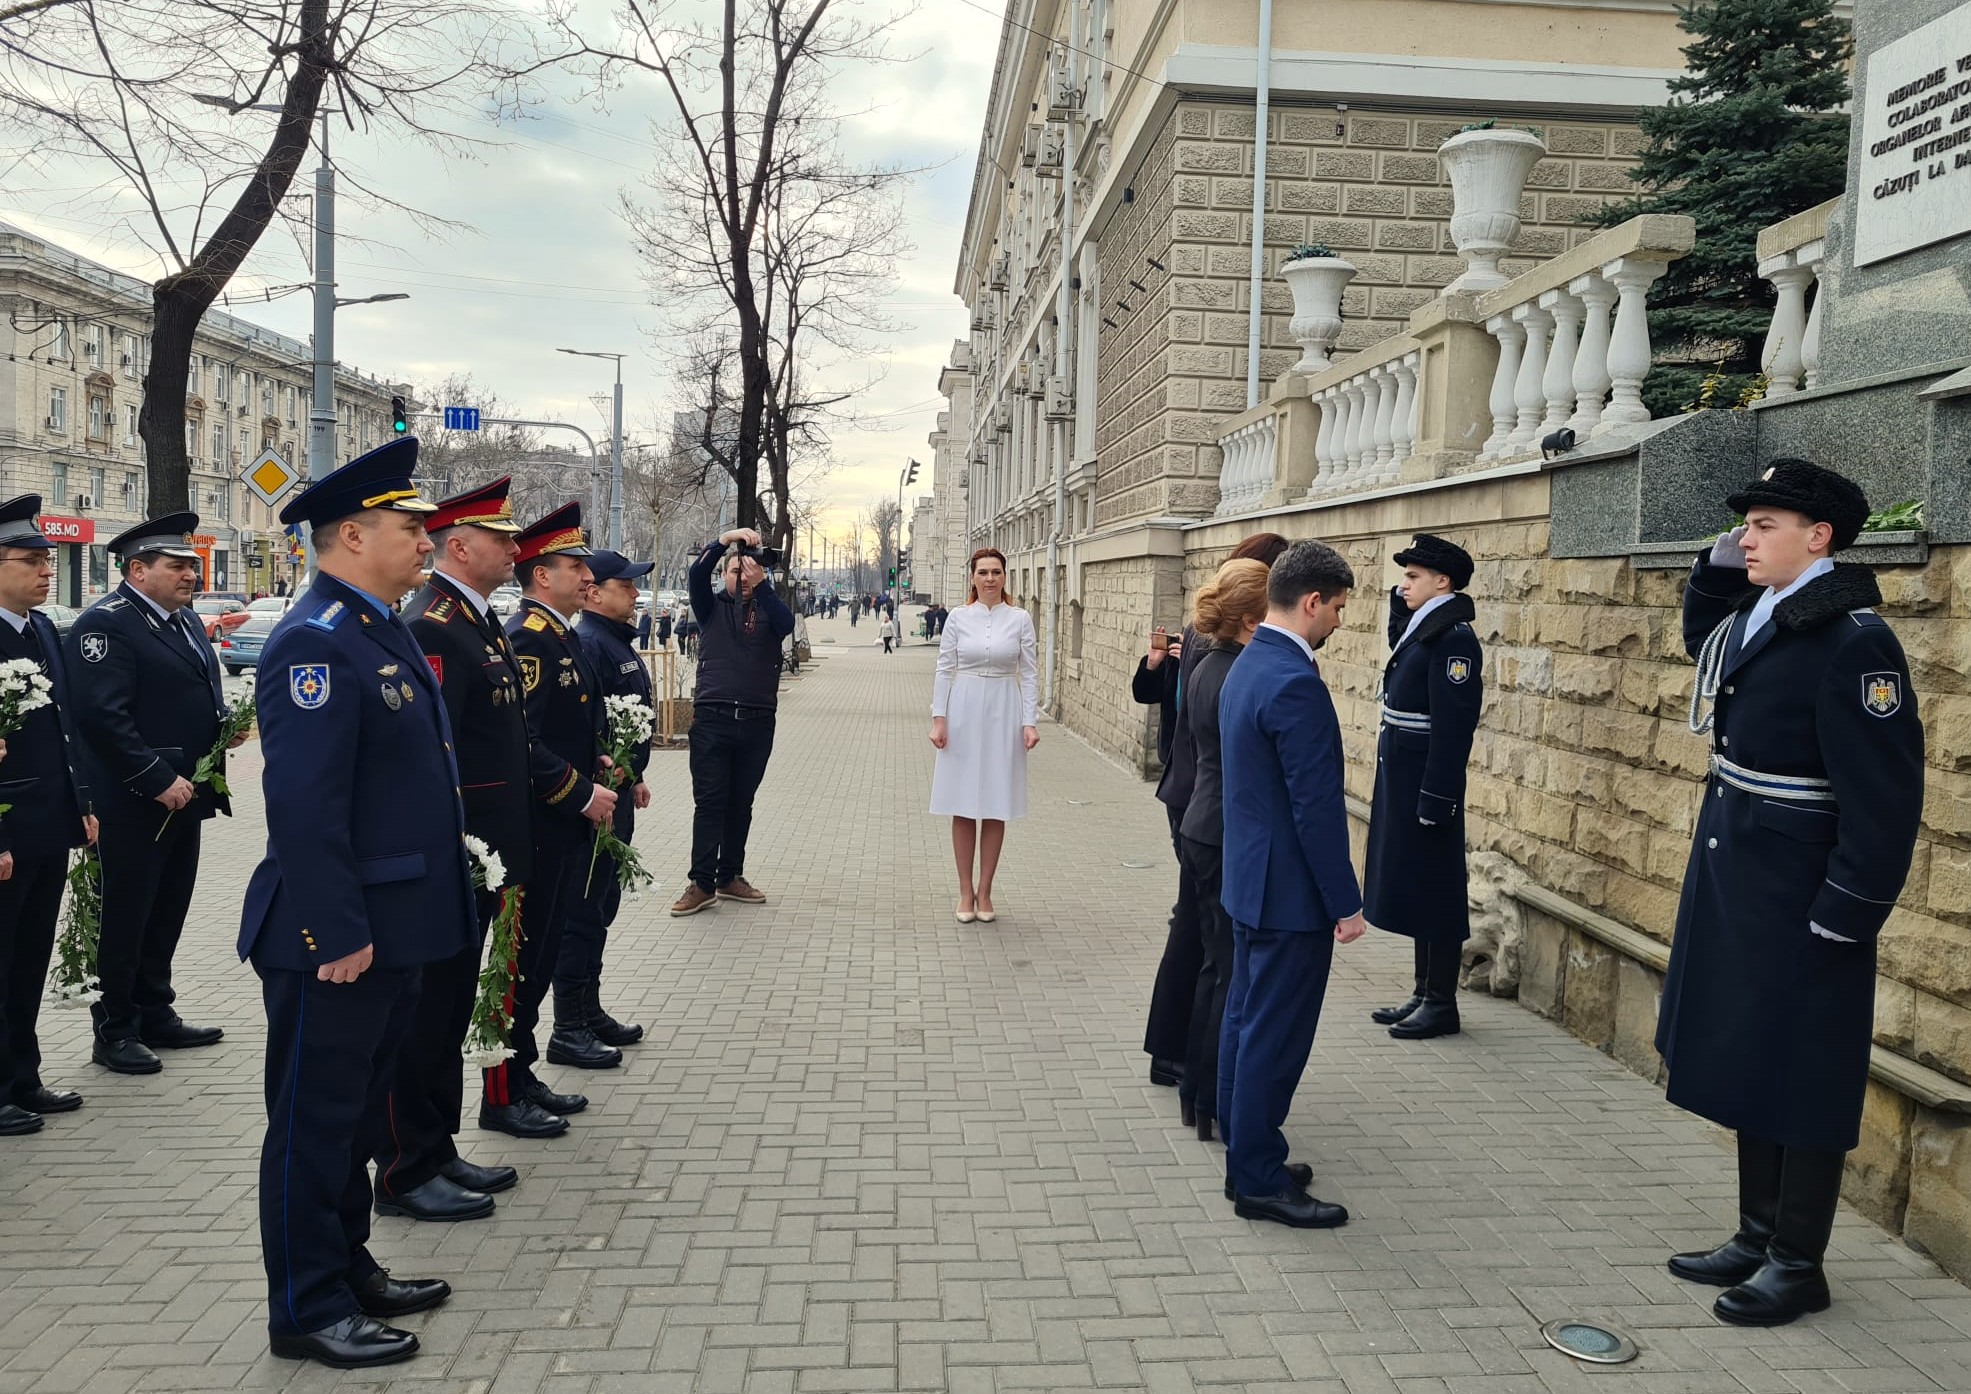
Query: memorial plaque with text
[[1914, 185]]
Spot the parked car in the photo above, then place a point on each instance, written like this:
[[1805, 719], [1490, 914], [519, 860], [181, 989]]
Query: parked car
[[240, 596], [505, 600], [275, 605], [61, 616], [240, 649], [218, 614]]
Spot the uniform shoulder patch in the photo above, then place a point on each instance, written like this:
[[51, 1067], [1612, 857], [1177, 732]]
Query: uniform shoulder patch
[[1882, 693], [95, 646], [535, 623], [330, 616], [1868, 619], [530, 671], [437, 663], [1458, 669], [442, 609], [308, 684], [113, 604]]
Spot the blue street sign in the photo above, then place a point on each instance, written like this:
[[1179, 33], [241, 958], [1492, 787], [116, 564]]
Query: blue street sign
[[461, 418]]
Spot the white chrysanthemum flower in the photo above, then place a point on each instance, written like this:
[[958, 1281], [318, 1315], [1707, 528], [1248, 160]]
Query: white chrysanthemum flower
[[487, 1057], [492, 870]]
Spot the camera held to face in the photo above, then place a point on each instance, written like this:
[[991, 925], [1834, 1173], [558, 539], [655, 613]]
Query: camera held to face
[[769, 558]]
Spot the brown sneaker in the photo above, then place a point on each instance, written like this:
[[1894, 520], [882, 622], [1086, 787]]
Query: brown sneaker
[[738, 889], [694, 899]]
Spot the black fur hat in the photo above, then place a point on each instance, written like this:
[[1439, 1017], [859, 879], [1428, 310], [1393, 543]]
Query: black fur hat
[[1438, 555], [1803, 487]]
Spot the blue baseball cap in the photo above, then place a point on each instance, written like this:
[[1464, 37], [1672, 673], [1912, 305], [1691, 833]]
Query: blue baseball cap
[[614, 566]]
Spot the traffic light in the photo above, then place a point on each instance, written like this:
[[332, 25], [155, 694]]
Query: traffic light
[[893, 575], [911, 476], [903, 562], [398, 423]]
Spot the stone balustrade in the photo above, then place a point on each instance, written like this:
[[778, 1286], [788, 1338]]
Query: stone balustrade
[[1368, 418], [1250, 444], [1790, 256]]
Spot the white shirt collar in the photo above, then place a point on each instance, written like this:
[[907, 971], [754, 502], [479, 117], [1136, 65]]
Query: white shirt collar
[[1416, 615], [479, 602], [1305, 647], [1762, 609], [19, 622], [160, 611]]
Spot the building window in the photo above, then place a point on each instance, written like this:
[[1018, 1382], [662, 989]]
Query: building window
[[96, 485], [245, 393], [130, 364], [129, 425], [266, 397], [246, 445], [129, 493], [218, 445], [98, 410], [58, 345], [58, 409], [287, 402], [191, 376], [191, 441], [92, 346], [58, 485]]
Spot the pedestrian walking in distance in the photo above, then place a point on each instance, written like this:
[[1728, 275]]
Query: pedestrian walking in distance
[[1288, 883], [1432, 692], [1808, 823], [887, 632], [985, 717], [364, 884]]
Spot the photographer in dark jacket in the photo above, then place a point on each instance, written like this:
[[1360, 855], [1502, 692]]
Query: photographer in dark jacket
[[741, 630]]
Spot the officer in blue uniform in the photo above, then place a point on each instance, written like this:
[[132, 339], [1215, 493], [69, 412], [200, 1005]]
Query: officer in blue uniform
[[365, 881], [148, 704], [44, 819], [1808, 824], [565, 738], [1432, 692], [608, 640]]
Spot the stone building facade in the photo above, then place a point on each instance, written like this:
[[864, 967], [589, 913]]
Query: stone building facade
[[71, 383]]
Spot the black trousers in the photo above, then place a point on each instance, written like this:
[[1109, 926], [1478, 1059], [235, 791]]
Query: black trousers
[[147, 889], [412, 1137], [1167, 1036], [550, 896], [729, 753], [30, 900], [1206, 863], [1437, 965], [331, 1052], [586, 932]]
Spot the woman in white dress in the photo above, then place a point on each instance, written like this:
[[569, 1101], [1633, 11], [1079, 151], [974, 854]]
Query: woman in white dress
[[985, 715]]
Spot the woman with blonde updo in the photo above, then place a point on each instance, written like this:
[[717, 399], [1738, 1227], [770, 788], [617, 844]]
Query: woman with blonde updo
[[1227, 611]]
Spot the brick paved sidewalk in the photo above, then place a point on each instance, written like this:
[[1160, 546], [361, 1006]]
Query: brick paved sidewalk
[[867, 1148]]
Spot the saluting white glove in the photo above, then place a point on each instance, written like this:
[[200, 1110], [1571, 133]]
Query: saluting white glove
[[1728, 551]]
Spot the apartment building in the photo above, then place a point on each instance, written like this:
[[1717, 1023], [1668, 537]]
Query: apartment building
[[77, 347], [1108, 244], [945, 583]]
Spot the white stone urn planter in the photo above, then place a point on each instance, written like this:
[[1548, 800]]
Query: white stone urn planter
[[1317, 283], [1488, 170]]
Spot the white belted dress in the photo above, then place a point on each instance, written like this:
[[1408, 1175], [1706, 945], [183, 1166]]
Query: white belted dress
[[988, 687]]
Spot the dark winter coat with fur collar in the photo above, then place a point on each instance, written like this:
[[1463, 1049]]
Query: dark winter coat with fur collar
[[1809, 818]]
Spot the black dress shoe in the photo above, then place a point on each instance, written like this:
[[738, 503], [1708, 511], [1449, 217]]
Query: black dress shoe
[[41, 1099], [1389, 1016], [381, 1295], [354, 1343], [487, 1181], [1301, 1174], [612, 1032], [180, 1035], [564, 1104], [1292, 1207], [16, 1121], [524, 1119], [125, 1057], [1429, 1021], [580, 1048], [438, 1199], [1166, 1072]]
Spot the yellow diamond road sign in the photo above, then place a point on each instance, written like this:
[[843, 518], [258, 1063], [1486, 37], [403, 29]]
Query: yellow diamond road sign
[[269, 477]]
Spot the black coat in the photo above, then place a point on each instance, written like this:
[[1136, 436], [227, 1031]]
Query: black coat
[[44, 806], [619, 672], [564, 725], [480, 680], [1765, 1025], [1414, 873], [1204, 676], [147, 707], [1159, 687]]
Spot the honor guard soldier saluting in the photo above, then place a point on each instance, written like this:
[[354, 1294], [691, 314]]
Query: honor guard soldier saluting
[[365, 882], [147, 706], [419, 1173], [44, 819], [607, 635], [1808, 823], [1432, 691], [565, 734]]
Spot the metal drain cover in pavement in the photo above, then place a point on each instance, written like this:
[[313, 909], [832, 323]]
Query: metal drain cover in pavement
[[1585, 1341]]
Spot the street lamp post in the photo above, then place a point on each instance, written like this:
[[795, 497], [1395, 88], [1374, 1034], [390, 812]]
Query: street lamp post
[[615, 448]]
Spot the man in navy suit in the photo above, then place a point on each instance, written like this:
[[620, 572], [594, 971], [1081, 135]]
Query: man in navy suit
[[1289, 886], [365, 882], [44, 819]]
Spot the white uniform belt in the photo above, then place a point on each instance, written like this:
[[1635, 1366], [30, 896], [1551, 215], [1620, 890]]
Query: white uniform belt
[[1797, 788], [1405, 721]]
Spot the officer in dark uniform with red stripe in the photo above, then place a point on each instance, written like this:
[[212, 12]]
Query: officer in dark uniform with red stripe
[[419, 1172], [563, 704], [1808, 824]]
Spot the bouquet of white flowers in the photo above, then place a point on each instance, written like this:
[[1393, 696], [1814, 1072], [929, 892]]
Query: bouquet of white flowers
[[630, 724], [23, 688], [486, 1039], [74, 983]]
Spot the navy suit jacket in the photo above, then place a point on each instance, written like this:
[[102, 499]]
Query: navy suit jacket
[[1286, 826], [365, 832], [37, 780]]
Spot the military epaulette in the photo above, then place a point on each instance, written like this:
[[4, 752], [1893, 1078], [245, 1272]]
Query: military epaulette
[[535, 622], [330, 616], [113, 604], [1867, 618], [441, 610]]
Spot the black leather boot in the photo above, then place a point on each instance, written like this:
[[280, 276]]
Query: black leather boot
[[1389, 1016], [1739, 1257], [1791, 1282], [608, 1030], [1438, 1016], [573, 1043]]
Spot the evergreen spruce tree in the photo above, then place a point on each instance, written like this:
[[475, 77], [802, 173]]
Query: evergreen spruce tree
[[1751, 136]]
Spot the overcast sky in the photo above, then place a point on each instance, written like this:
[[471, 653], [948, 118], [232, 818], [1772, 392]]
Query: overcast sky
[[548, 262]]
